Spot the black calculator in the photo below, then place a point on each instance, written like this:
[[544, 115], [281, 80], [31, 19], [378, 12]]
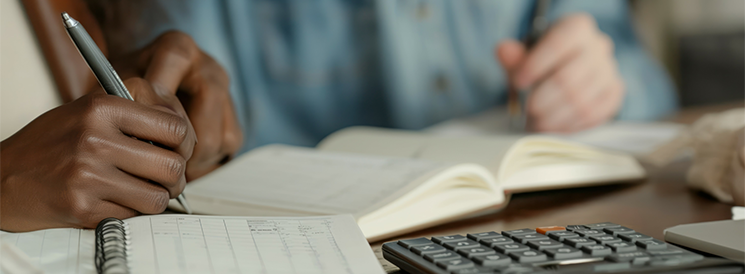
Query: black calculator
[[592, 248]]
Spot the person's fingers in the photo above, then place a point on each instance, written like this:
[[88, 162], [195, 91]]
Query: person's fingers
[[173, 124], [169, 60], [510, 54], [90, 217], [149, 162], [601, 109], [129, 191], [207, 113], [568, 37]]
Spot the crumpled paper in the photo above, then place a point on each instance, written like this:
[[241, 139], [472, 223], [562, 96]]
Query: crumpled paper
[[718, 145]]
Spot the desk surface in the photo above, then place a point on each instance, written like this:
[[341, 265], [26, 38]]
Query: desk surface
[[649, 206]]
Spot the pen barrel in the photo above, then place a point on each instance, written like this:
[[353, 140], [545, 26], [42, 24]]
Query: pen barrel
[[98, 63]]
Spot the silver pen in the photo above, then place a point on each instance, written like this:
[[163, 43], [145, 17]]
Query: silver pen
[[101, 67]]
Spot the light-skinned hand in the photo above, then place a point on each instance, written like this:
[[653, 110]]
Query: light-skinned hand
[[572, 73]]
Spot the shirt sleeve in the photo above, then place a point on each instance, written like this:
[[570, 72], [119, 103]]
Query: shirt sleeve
[[650, 93]]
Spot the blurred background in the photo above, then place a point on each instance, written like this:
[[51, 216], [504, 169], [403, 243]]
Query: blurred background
[[702, 44]]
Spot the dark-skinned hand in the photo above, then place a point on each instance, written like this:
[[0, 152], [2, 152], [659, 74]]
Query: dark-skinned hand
[[82, 162], [182, 74]]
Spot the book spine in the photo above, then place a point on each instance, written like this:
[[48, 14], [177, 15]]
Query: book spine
[[112, 246]]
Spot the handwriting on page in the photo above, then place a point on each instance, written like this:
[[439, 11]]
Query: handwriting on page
[[240, 245]]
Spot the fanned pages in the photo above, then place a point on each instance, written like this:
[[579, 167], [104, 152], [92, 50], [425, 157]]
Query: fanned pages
[[388, 195], [396, 181]]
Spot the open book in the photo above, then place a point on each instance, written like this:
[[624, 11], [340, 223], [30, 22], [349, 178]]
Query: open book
[[396, 181]]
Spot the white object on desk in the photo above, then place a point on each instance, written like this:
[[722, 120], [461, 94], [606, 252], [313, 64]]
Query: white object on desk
[[13, 260], [738, 213], [212, 244]]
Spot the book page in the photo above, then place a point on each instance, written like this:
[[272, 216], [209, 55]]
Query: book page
[[303, 181], [210, 244], [485, 151], [60, 250]]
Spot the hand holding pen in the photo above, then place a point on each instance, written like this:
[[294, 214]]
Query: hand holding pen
[[173, 161], [569, 79]]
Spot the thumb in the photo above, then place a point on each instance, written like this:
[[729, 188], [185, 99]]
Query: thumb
[[510, 53]]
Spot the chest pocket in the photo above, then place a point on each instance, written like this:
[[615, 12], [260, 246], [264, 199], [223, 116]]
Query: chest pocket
[[304, 43]]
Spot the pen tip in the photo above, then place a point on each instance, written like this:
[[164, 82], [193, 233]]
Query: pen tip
[[69, 22]]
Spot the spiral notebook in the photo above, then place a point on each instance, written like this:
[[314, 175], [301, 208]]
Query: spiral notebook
[[202, 244]]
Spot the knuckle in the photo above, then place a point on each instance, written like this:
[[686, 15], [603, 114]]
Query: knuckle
[[156, 201], [583, 19], [83, 212], [174, 167], [176, 127], [91, 141], [181, 44], [606, 43]]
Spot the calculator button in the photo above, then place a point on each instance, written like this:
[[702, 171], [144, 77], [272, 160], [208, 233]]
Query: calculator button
[[652, 244], [476, 251], [579, 242], [455, 264], [529, 237], [671, 255], [530, 256], [424, 249], [576, 227], [484, 235], [629, 257], [543, 244], [590, 232], [634, 237], [513, 247], [562, 235], [462, 244], [622, 247], [545, 229], [605, 239], [474, 270], [615, 231], [597, 250], [448, 239], [562, 253], [495, 241], [492, 260], [414, 242], [518, 232], [446, 255], [602, 225]]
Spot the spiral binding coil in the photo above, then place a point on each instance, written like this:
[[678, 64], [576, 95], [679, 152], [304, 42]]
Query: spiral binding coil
[[112, 247]]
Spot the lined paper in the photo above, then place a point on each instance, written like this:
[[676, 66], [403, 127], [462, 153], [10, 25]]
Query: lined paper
[[207, 244], [62, 250]]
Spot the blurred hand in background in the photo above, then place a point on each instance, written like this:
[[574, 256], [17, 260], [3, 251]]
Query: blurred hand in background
[[572, 75]]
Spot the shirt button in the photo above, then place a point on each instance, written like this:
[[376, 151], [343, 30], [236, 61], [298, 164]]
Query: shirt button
[[442, 85], [422, 11]]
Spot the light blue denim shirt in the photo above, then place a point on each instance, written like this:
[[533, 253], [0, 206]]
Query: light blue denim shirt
[[303, 69]]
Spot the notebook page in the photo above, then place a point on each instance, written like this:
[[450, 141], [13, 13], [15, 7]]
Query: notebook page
[[61, 250], [211, 244], [308, 182]]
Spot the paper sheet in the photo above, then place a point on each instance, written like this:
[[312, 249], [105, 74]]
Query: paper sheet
[[207, 244], [308, 182], [62, 250]]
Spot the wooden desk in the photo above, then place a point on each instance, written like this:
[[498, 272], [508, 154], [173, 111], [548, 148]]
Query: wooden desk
[[649, 206]]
